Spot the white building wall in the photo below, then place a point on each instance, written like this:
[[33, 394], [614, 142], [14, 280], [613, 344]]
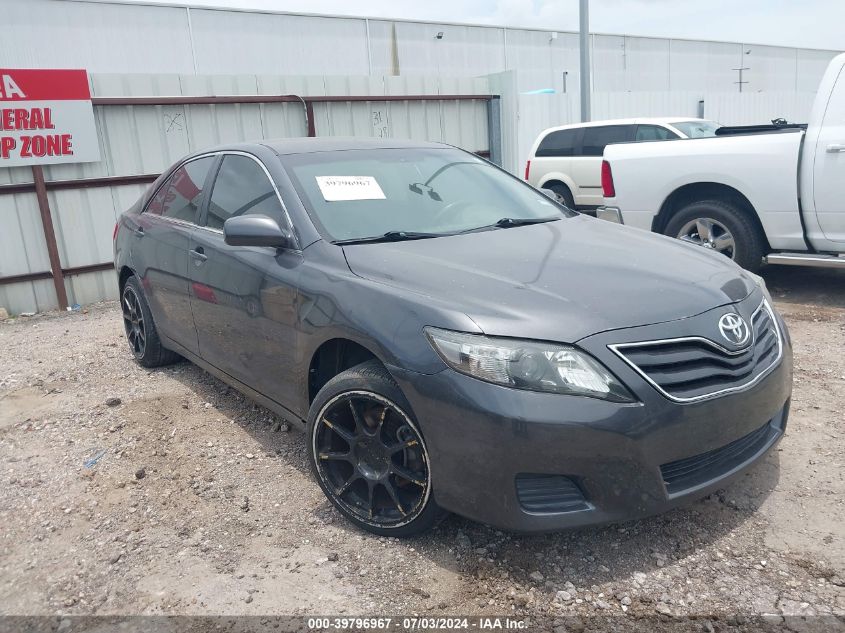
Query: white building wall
[[109, 37]]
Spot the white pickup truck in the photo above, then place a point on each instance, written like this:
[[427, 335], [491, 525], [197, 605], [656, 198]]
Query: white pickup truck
[[771, 193]]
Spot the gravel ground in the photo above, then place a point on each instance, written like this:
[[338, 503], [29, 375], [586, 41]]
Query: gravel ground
[[128, 491]]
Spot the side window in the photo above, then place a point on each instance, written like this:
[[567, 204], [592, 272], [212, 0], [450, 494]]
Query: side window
[[654, 133], [181, 197], [560, 143], [596, 138], [156, 203], [242, 188]]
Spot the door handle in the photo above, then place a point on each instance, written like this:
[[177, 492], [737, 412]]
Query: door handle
[[139, 232], [198, 254], [835, 147]]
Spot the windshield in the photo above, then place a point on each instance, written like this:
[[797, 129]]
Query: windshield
[[696, 129], [421, 192]]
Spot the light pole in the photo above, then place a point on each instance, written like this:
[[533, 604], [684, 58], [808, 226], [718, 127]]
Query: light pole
[[584, 37]]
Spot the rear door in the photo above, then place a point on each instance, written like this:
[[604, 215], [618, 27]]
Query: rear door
[[586, 165], [244, 297], [160, 255], [829, 167]]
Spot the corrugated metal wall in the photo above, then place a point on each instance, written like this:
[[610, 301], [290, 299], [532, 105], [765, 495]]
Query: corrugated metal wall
[[137, 140], [750, 108]]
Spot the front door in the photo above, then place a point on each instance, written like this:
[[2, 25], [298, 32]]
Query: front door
[[244, 297], [164, 236], [829, 167]]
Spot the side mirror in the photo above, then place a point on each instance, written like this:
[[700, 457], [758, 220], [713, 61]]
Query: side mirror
[[255, 230]]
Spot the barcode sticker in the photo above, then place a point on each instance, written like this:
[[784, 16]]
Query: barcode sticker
[[340, 188]]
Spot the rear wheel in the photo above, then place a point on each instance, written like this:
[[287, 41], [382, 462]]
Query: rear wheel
[[368, 454], [720, 226], [562, 194], [140, 329]]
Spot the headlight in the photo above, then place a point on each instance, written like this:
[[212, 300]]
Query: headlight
[[531, 365]]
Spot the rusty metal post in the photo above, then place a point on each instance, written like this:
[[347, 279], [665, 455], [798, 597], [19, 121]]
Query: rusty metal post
[[309, 114], [50, 235]]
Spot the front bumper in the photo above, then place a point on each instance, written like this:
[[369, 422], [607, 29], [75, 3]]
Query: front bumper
[[627, 460]]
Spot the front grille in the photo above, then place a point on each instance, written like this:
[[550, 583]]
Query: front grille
[[549, 493], [694, 368], [684, 474]]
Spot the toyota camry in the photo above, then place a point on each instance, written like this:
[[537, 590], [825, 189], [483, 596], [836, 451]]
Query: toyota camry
[[450, 338]]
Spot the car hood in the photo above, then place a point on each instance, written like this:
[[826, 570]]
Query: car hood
[[558, 281]]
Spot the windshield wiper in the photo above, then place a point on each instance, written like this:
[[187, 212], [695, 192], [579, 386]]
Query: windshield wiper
[[506, 223], [390, 236]]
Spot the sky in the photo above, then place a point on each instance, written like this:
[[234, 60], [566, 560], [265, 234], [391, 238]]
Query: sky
[[804, 23]]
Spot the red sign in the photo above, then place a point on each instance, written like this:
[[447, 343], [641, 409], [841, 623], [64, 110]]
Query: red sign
[[46, 117]]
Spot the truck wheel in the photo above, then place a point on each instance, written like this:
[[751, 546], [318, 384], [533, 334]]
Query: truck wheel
[[720, 226], [563, 195]]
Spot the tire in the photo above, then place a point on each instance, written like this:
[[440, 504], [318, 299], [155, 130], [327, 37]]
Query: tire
[[140, 328], [564, 195], [354, 423], [726, 221]]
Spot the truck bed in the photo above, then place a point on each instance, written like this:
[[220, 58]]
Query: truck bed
[[762, 167]]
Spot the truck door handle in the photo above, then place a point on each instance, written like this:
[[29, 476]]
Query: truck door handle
[[835, 147], [139, 232], [198, 254]]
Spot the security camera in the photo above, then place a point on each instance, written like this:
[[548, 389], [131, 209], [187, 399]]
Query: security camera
[[439, 35]]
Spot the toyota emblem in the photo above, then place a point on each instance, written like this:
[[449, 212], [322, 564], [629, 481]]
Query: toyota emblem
[[734, 329]]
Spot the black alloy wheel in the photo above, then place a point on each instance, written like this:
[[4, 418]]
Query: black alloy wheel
[[140, 327], [371, 462], [134, 322]]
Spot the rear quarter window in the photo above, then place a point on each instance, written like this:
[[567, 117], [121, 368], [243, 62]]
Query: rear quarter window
[[559, 143], [156, 203], [181, 196]]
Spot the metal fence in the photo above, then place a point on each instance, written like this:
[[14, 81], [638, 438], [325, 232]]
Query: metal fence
[[55, 242]]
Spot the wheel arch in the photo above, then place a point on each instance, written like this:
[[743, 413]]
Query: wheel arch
[[702, 191], [332, 357], [557, 178], [123, 275]]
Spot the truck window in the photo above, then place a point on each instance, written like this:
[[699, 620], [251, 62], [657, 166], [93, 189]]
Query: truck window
[[654, 133], [596, 138], [559, 143]]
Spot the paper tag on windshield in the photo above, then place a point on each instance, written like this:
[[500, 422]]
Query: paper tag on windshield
[[338, 188]]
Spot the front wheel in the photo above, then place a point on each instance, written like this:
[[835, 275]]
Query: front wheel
[[720, 226], [368, 454]]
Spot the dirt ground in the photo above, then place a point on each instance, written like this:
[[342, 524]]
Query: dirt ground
[[186, 498]]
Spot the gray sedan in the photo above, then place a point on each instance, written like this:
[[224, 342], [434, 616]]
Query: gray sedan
[[451, 338]]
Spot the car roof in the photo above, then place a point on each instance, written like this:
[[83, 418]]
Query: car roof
[[662, 120], [307, 145], [310, 145]]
